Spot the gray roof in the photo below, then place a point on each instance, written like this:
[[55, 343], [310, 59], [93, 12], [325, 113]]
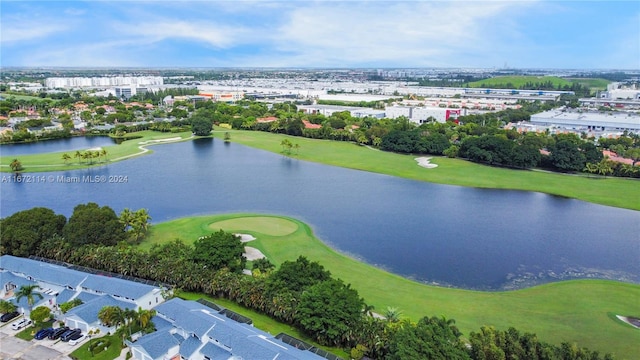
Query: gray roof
[[215, 352], [186, 315], [115, 286], [156, 344], [41, 271], [88, 312], [244, 340], [189, 346], [63, 276], [160, 323], [7, 277], [64, 296]]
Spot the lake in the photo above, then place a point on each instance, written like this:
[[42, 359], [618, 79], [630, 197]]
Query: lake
[[437, 234]]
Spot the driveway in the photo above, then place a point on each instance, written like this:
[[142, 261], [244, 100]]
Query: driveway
[[12, 348]]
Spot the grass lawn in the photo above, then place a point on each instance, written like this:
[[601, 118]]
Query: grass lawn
[[618, 192], [26, 97], [518, 81], [112, 352], [592, 83], [578, 311], [29, 332], [262, 322], [129, 148]]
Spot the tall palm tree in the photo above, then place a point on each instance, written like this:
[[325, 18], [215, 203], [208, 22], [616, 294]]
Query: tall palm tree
[[16, 165], [66, 157], [78, 155], [144, 317], [103, 152], [29, 292]]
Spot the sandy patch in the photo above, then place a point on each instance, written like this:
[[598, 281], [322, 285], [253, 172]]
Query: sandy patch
[[245, 237], [159, 141], [95, 149], [252, 253], [425, 162]]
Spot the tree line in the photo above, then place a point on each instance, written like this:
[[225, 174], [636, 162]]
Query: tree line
[[301, 293]]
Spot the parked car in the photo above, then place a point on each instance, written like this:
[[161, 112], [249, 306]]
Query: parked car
[[57, 333], [9, 316], [77, 339], [66, 336], [43, 333], [17, 325]]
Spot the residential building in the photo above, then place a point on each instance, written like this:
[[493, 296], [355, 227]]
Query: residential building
[[59, 283], [191, 330]]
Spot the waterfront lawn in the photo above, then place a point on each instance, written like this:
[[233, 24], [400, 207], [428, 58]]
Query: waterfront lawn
[[573, 311], [618, 192], [262, 321], [125, 150]]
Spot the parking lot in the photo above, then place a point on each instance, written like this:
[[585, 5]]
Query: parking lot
[[13, 348]]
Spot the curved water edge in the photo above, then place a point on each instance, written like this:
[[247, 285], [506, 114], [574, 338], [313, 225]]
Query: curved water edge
[[437, 234]]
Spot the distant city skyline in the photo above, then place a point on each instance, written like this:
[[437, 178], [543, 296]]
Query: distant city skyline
[[322, 34]]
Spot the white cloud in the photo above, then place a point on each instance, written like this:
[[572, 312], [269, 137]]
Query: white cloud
[[16, 30], [220, 36], [420, 33]]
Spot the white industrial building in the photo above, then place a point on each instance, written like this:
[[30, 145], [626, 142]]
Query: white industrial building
[[422, 114], [102, 81], [597, 121], [328, 110]]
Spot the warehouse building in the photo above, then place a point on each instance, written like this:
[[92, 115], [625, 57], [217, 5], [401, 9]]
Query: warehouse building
[[596, 121]]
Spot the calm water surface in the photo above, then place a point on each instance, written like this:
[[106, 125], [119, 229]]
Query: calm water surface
[[69, 145], [449, 235]]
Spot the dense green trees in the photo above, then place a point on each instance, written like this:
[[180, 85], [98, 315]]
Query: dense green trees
[[301, 293], [219, 250], [490, 344], [431, 338], [23, 231], [328, 310], [566, 156], [6, 307], [202, 122], [40, 315], [92, 224]]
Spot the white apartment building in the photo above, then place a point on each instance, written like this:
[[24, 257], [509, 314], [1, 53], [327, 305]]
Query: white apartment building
[[102, 81]]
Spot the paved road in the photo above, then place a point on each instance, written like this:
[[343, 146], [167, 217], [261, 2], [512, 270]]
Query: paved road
[[12, 348]]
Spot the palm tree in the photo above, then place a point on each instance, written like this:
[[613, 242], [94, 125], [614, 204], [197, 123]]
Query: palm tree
[[28, 291], [140, 223], [604, 167], [144, 317], [297, 147], [16, 165], [6, 307], [78, 155], [591, 168], [103, 152], [66, 157], [392, 314], [126, 218]]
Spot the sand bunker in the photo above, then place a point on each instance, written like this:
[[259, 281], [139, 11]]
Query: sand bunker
[[245, 237], [252, 253], [425, 162]]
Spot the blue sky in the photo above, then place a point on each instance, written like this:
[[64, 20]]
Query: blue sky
[[522, 34]]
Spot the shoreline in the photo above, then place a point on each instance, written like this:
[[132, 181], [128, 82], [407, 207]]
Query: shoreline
[[582, 306]]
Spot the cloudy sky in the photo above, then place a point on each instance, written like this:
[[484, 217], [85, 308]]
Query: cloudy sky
[[302, 33]]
